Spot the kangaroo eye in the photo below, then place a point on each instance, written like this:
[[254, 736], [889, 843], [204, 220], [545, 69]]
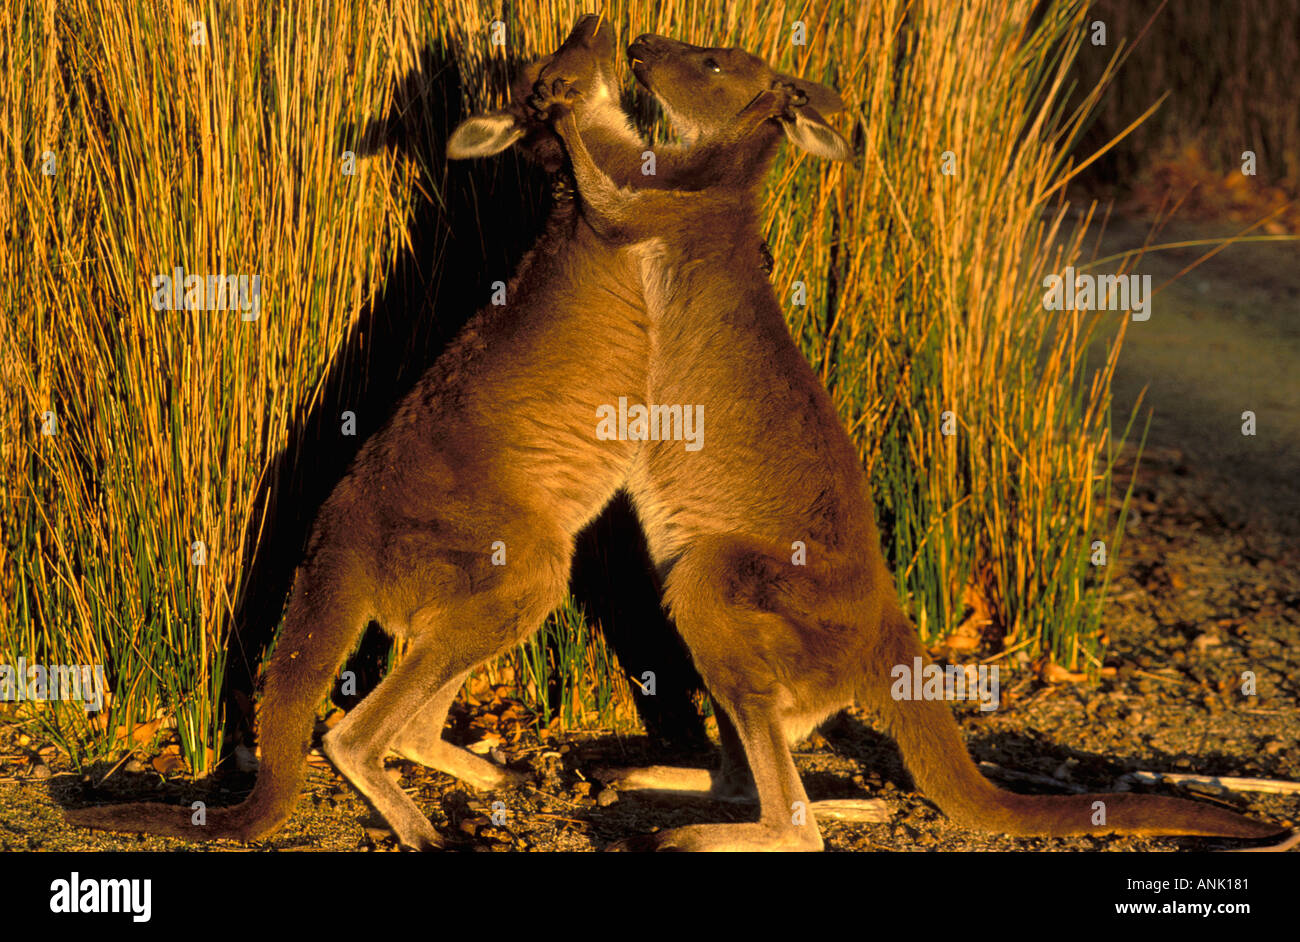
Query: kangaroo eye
[[712, 65]]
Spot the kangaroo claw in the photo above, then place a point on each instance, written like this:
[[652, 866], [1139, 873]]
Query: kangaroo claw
[[551, 100], [788, 95]]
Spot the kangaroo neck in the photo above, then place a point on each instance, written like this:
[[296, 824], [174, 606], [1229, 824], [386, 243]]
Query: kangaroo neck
[[726, 163]]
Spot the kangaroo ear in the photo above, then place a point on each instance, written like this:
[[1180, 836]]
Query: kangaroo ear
[[825, 99], [810, 132], [484, 135]]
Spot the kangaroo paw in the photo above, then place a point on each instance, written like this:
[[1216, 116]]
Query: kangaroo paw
[[459, 763], [552, 100], [788, 96], [854, 810], [700, 783]]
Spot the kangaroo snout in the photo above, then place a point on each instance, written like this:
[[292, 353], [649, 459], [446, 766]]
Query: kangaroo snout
[[656, 45], [648, 48]]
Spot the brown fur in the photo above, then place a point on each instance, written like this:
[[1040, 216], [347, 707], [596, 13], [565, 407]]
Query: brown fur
[[781, 646]]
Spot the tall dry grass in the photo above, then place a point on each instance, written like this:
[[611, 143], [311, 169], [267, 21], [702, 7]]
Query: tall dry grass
[[923, 299]]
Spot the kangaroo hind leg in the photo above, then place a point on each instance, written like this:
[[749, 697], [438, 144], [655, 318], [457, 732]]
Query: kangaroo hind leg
[[421, 741], [732, 644], [449, 638]]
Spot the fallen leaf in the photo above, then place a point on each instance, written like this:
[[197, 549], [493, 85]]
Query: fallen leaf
[[169, 761], [141, 734]]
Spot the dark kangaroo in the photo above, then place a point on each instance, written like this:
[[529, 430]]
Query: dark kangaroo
[[780, 646], [492, 458]]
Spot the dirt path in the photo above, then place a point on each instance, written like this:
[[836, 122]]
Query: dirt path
[[1222, 340]]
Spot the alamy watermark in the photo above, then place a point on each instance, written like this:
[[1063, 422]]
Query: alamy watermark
[[88, 895], [47, 682], [919, 681], [638, 423], [1083, 292], [178, 291]]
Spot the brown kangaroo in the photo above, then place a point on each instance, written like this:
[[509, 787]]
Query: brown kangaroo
[[454, 528], [780, 646]]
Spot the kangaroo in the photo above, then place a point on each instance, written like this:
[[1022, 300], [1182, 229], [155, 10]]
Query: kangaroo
[[454, 528], [495, 443], [780, 646]]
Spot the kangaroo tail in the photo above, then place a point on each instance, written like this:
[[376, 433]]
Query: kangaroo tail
[[932, 748], [321, 627]]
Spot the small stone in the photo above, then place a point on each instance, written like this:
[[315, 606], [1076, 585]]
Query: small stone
[[606, 797], [40, 770], [245, 759], [133, 765]]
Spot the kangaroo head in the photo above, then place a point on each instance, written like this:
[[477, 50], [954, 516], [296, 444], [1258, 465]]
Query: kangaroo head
[[587, 59], [702, 90]]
